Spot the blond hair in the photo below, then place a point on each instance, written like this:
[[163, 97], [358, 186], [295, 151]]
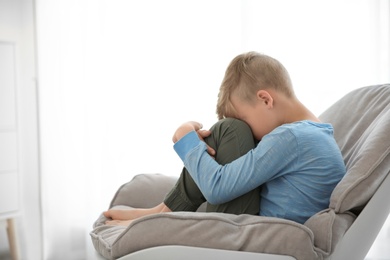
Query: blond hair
[[246, 74]]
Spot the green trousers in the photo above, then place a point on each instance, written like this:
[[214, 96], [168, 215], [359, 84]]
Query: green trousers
[[231, 138]]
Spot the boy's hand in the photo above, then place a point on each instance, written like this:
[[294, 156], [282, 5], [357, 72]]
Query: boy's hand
[[193, 126], [185, 129], [205, 133]]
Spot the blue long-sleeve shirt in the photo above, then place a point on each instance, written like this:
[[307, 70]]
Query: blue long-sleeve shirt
[[297, 164]]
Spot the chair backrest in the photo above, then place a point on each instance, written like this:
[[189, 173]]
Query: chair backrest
[[361, 121]]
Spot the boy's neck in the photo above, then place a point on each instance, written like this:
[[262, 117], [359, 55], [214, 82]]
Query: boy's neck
[[292, 110]]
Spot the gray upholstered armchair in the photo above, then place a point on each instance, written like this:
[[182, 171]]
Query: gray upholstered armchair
[[346, 230]]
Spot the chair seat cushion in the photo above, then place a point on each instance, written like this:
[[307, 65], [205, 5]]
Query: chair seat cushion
[[210, 230]]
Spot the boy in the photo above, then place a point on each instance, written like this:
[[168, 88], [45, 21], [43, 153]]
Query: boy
[[293, 169]]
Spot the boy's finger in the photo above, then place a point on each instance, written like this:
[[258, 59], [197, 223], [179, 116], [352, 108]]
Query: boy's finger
[[204, 133], [210, 151]]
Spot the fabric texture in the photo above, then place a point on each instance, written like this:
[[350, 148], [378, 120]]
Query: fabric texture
[[298, 165], [362, 131], [230, 138], [361, 121], [144, 191]]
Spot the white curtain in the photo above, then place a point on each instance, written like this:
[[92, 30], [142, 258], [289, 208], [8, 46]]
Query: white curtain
[[117, 77]]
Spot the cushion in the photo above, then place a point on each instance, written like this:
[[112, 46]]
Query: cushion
[[144, 191], [361, 120], [210, 230], [216, 230], [328, 228]]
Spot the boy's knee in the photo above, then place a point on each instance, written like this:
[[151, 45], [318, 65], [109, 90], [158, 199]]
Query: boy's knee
[[228, 129], [231, 138], [231, 124]]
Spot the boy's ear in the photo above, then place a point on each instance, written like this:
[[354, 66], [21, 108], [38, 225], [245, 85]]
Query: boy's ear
[[265, 97]]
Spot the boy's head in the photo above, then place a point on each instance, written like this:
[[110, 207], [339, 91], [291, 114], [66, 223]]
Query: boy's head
[[246, 75]]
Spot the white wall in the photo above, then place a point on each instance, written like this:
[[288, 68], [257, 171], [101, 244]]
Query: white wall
[[17, 26]]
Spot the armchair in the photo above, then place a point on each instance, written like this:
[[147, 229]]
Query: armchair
[[346, 230]]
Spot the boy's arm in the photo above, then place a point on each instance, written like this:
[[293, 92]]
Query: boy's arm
[[220, 184]]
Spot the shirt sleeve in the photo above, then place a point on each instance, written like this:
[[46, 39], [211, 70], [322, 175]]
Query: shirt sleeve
[[222, 183]]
